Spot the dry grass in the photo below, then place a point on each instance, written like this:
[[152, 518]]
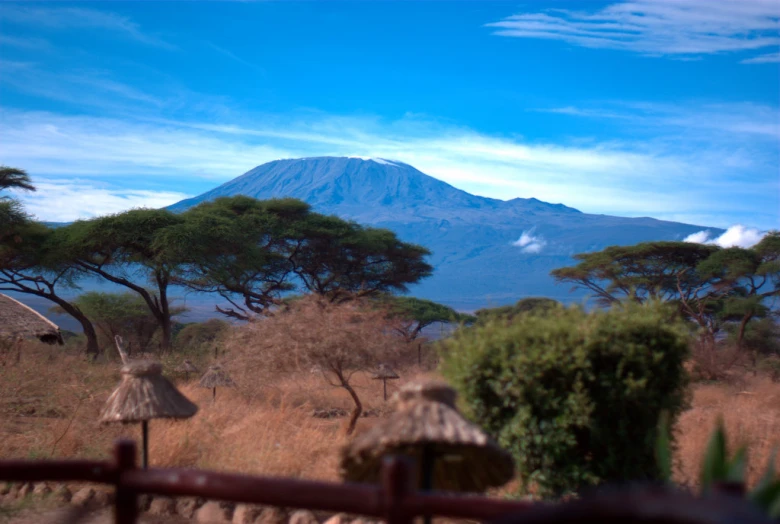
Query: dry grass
[[51, 400], [750, 411], [50, 403]]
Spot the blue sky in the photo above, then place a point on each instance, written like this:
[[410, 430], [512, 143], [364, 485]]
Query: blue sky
[[654, 108]]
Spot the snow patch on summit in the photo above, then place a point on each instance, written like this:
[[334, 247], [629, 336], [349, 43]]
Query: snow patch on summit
[[383, 161], [377, 160]]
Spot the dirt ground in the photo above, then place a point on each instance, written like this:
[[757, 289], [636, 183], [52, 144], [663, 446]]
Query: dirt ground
[[74, 516]]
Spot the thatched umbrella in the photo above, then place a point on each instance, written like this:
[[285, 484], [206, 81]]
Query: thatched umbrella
[[451, 453], [187, 367], [385, 373], [18, 320], [145, 394], [215, 377]]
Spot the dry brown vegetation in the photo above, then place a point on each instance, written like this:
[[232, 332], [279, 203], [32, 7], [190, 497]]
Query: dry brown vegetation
[[50, 403]]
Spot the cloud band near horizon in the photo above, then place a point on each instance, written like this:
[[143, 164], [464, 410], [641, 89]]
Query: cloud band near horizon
[[620, 178]]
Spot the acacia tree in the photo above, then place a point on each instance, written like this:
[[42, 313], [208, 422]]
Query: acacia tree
[[410, 315], [12, 214], [14, 178], [237, 247], [708, 283], [36, 266], [522, 306], [649, 270], [121, 249], [254, 252], [342, 260]]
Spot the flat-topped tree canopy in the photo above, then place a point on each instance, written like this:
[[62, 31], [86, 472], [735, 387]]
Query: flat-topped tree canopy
[[426, 421], [144, 394], [18, 320]]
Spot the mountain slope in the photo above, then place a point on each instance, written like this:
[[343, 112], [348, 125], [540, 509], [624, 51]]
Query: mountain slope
[[474, 239]]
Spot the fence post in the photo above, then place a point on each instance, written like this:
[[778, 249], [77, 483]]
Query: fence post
[[397, 481], [125, 500]]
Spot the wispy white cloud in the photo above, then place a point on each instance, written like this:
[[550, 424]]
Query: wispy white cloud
[[530, 243], [24, 42], [677, 28], [616, 178], [735, 236], [763, 59], [231, 55], [65, 200], [85, 87], [747, 119], [80, 18]]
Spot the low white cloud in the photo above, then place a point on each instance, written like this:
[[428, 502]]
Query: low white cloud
[[702, 237], [68, 200], [530, 243], [631, 179], [676, 28], [735, 236]]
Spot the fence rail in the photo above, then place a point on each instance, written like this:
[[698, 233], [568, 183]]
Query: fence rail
[[394, 500]]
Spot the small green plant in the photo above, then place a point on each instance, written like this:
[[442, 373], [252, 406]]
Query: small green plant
[[717, 468]]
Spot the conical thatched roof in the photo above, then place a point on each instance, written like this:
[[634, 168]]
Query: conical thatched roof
[[384, 372], [216, 377], [466, 459], [18, 320], [187, 367], [145, 394]]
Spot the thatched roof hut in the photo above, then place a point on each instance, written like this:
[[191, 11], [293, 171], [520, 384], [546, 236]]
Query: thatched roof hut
[[215, 377], [144, 394], [384, 372], [187, 367], [459, 456], [18, 320]]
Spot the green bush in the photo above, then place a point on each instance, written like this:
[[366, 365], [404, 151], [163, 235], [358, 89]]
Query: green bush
[[201, 338], [535, 305], [576, 397]]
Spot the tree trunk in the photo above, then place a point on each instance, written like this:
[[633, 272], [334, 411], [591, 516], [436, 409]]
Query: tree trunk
[[165, 343], [93, 350], [158, 305], [742, 327], [353, 418], [164, 316]]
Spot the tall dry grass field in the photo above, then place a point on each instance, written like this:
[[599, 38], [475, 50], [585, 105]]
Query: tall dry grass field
[[51, 400], [751, 414]]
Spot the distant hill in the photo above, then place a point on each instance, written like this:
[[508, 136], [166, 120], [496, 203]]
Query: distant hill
[[486, 251]]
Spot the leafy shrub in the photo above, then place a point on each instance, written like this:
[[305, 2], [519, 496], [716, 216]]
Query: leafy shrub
[[576, 397], [523, 306], [200, 338]]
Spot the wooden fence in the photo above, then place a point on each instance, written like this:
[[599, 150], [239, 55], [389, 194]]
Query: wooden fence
[[394, 500]]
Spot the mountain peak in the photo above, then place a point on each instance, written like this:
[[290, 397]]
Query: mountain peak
[[474, 240], [344, 182]]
